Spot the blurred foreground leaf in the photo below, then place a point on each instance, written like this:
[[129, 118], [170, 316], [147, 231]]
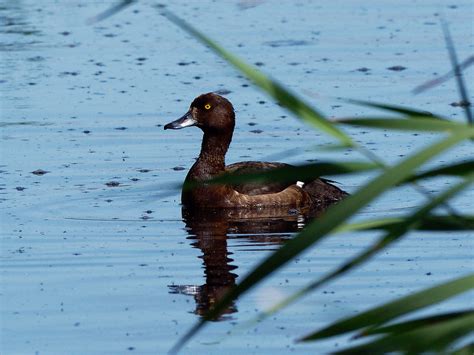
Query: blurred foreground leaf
[[428, 223], [329, 221], [465, 350], [427, 124], [436, 337], [453, 57], [393, 233], [282, 95], [397, 308], [413, 324], [290, 173], [406, 111], [456, 169], [441, 79], [117, 7]]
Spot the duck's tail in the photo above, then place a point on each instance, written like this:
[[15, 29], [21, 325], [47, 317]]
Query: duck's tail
[[323, 193]]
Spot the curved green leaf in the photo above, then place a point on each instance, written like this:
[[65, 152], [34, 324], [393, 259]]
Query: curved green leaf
[[333, 217], [428, 223], [457, 169], [453, 57], [441, 79], [396, 308], [407, 111], [436, 337], [427, 124], [291, 173], [394, 232], [117, 7], [284, 96], [465, 350], [413, 324]]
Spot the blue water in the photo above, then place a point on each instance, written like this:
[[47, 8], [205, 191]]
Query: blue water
[[89, 267]]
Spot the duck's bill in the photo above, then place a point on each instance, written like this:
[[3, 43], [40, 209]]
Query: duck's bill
[[186, 121]]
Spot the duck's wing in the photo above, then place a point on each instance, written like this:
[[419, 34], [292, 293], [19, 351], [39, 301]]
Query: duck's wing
[[257, 188], [322, 191]]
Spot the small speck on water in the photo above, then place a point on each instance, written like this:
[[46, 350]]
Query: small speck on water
[[112, 184], [69, 73], [37, 58], [397, 68], [223, 92], [286, 43], [40, 172], [460, 104], [178, 168]]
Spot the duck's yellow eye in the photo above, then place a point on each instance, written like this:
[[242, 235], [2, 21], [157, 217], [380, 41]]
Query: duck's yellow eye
[[207, 106]]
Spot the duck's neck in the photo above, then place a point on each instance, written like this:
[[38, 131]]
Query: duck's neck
[[211, 160]]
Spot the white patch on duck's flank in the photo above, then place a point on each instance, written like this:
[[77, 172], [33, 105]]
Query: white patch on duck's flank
[[300, 184]]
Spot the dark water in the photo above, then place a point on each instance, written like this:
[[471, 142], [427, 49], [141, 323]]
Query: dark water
[[96, 255]]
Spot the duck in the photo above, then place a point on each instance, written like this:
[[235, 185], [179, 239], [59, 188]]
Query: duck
[[215, 116]]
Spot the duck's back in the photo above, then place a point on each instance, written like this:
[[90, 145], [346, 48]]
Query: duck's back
[[257, 188], [322, 192]]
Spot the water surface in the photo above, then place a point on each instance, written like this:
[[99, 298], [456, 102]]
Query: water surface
[[96, 256]]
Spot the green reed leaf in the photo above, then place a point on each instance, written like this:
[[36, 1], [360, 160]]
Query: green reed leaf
[[397, 308], [456, 169], [441, 79], [394, 232], [462, 88], [115, 8], [427, 124], [329, 221], [406, 111], [290, 173], [284, 96], [428, 223], [413, 324], [464, 350], [436, 337]]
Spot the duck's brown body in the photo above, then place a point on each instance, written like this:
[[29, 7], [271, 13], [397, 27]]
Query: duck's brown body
[[215, 116]]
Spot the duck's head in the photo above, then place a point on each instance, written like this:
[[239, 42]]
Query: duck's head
[[210, 112]]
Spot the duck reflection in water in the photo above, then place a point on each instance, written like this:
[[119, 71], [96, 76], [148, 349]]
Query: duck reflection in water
[[210, 229]]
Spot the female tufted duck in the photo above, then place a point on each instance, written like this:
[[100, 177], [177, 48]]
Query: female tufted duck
[[214, 115]]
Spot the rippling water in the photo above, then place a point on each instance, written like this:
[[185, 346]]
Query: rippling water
[[96, 255]]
